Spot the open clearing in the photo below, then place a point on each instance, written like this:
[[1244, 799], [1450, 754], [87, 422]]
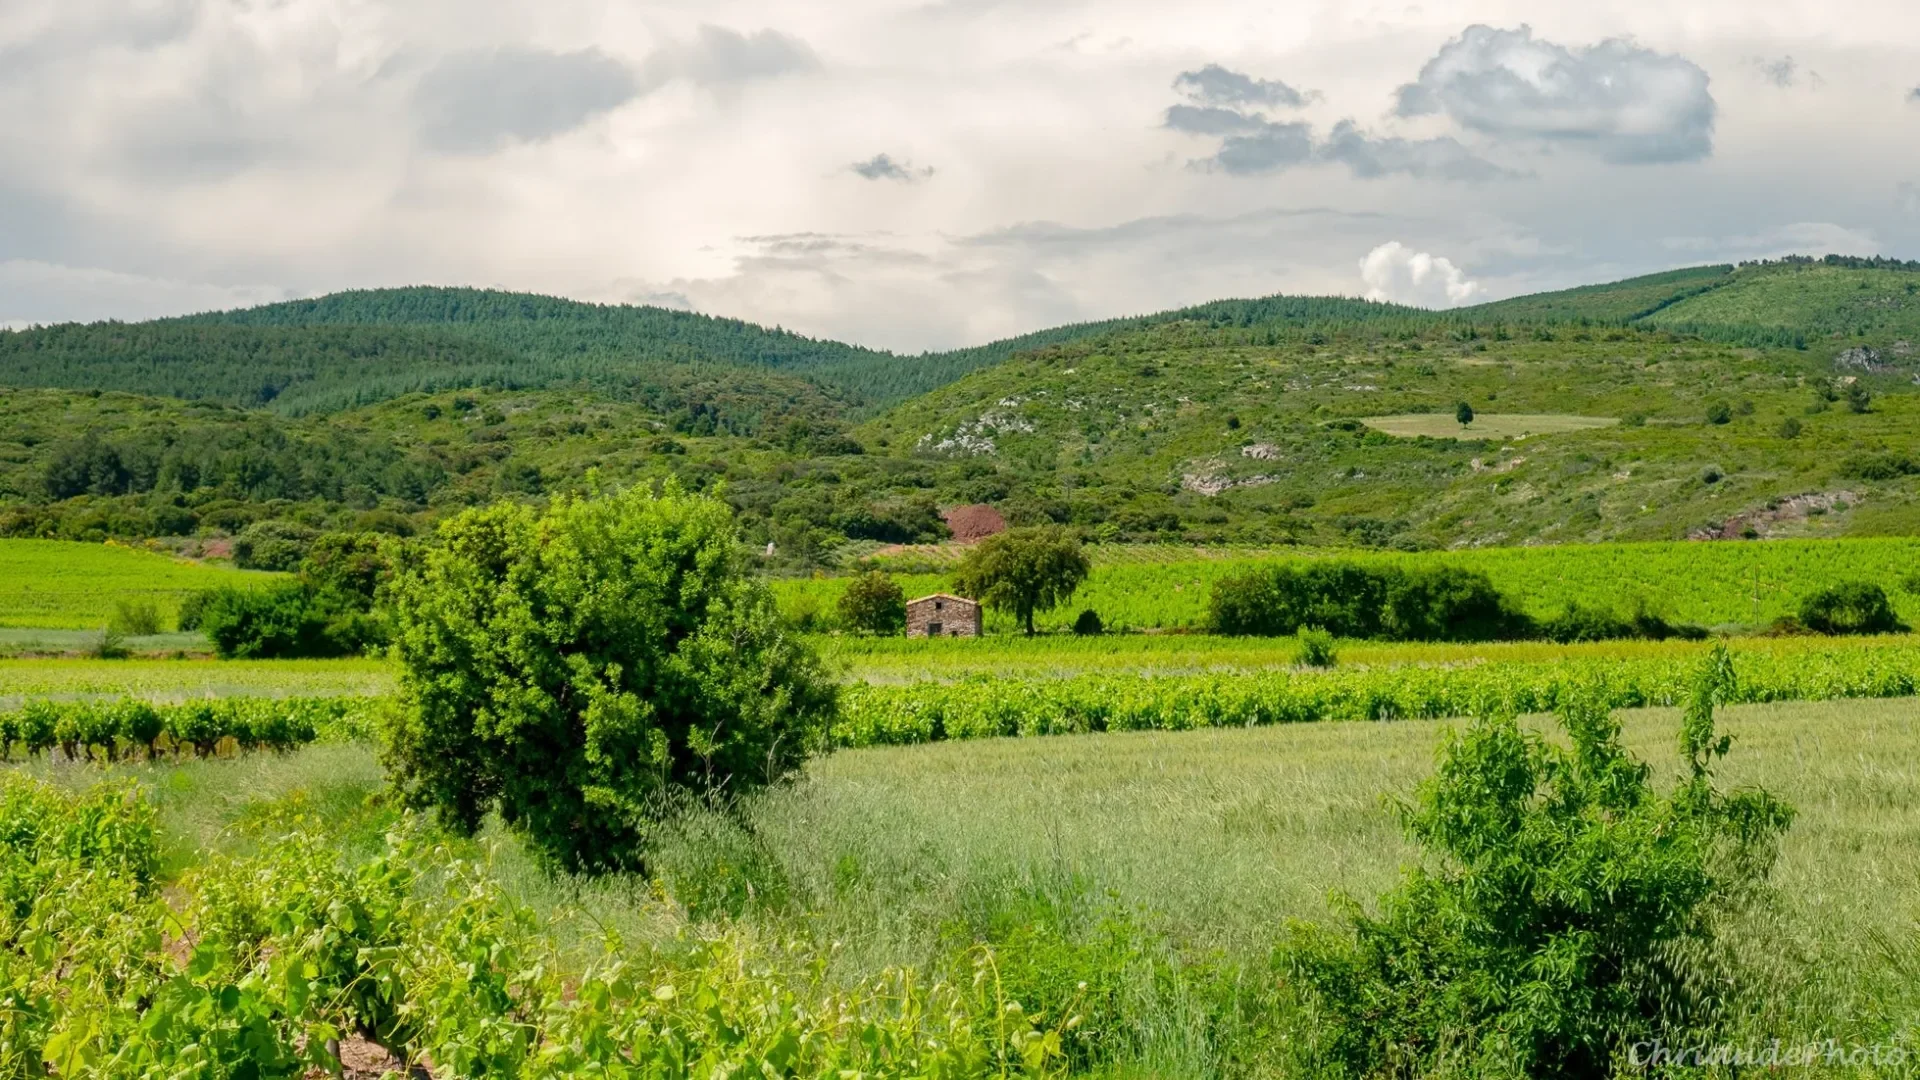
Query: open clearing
[[1485, 425]]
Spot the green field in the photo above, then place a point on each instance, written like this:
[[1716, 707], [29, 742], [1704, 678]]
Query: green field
[[1711, 584], [53, 584], [1157, 868], [1440, 425]]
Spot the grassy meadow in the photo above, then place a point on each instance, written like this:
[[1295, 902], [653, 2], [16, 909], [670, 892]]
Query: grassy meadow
[[1162, 866]]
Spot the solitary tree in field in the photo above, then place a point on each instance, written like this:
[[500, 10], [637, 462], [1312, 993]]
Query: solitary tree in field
[[1463, 412], [874, 604], [1024, 571], [576, 668]]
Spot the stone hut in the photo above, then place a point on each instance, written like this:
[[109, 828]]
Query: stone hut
[[943, 615]]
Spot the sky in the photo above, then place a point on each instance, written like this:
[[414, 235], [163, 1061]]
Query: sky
[[927, 174]]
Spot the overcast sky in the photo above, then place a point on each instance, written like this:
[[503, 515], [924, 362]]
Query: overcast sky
[[917, 175]]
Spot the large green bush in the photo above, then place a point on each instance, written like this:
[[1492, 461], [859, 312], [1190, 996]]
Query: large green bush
[[1439, 603], [1567, 908], [577, 668], [1851, 607]]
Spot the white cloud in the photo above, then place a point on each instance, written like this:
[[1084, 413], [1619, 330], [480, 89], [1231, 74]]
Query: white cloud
[[202, 153], [1395, 272], [1629, 104]]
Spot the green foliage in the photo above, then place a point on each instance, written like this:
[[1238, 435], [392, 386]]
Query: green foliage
[[989, 707], [576, 667], [1719, 413], [1567, 910], [1463, 413], [272, 545], [1314, 648], [285, 621], [1850, 607], [121, 728], [873, 604], [1348, 599], [1024, 571], [1089, 624], [137, 617]]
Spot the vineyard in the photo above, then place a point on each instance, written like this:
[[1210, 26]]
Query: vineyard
[[277, 960], [1710, 584], [107, 731], [55, 585], [988, 707]]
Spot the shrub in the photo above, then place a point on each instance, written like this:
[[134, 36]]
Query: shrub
[[1565, 910], [874, 604], [1790, 428], [1024, 571], [1859, 398], [136, 618], [576, 668], [1089, 624], [1719, 413], [281, 622], [111, 644], [1851, 607], [1315, 648], [192, 607]]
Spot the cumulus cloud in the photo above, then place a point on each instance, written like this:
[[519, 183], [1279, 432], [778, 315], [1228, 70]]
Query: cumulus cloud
[[1215, 85], [1252, 144], [1213, 120], [1371, 156], [1395, 272], [474, 102], [1627, 104], [885, 167]]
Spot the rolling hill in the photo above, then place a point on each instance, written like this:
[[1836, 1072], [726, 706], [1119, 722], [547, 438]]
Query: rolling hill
[[1705, 401]]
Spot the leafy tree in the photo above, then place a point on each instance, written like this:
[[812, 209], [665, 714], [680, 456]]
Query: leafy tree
[[874, 604], [1565, 912], [1859, 398], [1463, 412], [578, 668], [1024, 571]]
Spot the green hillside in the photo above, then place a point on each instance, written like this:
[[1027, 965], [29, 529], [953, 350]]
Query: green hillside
[[1211, 434], [1619, 302], [1704, 401]]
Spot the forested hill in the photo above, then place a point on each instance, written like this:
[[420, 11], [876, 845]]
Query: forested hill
[[359, 348]]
